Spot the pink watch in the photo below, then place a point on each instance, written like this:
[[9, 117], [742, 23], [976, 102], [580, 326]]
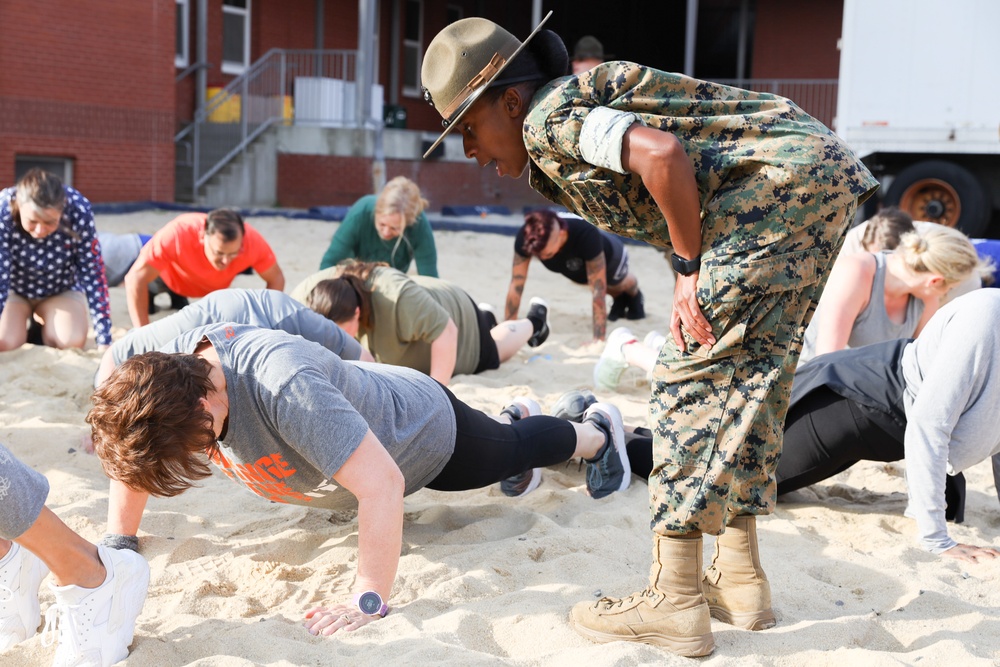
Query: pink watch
[[371, 604]]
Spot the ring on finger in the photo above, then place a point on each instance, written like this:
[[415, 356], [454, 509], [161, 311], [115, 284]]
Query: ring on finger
[[345, 618]]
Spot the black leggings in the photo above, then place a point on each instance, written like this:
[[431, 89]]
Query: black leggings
[[487, 451], [826, 433]]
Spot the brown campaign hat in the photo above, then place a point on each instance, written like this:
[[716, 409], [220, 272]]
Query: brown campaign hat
[[462, 61]]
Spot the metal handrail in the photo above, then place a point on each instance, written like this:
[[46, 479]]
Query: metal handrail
[[256, 100], [191, 69]]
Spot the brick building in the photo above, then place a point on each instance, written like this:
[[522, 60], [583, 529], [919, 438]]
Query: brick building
[[101, 92], [87, 89]]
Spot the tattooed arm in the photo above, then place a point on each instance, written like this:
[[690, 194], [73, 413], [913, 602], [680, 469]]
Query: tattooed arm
[[597, 279], [518, 274]]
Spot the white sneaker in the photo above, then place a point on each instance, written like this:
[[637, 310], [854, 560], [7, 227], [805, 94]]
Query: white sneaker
[[609, 368], [654, 340], [96, 624], [20, 575]]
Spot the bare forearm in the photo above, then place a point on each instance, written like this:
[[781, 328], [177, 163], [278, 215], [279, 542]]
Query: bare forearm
[[380, 539], [444, 354], [518, 275], [137, 295], [125, 508], [597, 278], [666, 171], [513, 303]]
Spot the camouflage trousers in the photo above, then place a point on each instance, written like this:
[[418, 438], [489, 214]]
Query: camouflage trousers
[[719, 413]]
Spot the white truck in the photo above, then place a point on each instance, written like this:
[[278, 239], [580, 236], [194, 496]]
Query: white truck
[[919, 100]]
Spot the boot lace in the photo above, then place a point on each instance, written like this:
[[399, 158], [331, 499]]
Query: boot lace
[[608, 603]]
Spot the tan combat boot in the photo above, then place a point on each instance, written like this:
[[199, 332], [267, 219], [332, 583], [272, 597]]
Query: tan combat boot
[[671, 612], [736, 587]]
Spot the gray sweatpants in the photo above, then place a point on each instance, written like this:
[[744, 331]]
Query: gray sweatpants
[[22, 495]]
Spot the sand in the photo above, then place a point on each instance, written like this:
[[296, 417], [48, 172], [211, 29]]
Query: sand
[[485, 579]]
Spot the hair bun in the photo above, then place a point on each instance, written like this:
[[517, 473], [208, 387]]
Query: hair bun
[[550, 53]]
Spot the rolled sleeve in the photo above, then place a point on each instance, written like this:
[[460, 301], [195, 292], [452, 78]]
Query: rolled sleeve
[[601, 137]]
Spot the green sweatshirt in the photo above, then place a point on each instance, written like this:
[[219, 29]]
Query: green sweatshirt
[[356, 237]]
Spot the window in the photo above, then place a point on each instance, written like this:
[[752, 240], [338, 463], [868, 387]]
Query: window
[[453, 13], [181, 54], [413, 47], [60, 166], [235, 36]]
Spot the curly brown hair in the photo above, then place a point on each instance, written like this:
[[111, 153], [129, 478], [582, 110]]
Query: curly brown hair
[[149, 427]]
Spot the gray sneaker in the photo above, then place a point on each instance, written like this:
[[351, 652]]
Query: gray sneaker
[[609, 471], [573, 404], [525, 482]]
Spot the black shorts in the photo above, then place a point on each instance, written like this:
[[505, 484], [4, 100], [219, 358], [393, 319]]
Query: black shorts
[[617, 266], [489, 356]]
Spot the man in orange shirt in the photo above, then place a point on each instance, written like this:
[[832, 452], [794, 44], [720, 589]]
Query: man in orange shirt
[[195, 254]]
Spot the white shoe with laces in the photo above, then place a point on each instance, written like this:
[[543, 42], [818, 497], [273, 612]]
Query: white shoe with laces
[[96, 625], [609, 368], [21, 572]]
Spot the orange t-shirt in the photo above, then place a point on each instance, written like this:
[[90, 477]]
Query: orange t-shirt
[[178, 252]]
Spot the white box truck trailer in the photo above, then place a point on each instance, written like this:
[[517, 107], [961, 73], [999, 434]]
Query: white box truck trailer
[[919, 100]]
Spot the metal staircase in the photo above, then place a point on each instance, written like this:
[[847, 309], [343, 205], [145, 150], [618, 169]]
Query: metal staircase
[[310, 87]]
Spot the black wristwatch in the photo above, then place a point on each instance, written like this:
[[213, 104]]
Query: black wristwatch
[[685, 267]]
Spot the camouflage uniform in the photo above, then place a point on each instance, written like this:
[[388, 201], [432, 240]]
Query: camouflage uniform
[[777, 192]]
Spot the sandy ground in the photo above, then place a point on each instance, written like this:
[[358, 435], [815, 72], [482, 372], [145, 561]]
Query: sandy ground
[[485, 579]]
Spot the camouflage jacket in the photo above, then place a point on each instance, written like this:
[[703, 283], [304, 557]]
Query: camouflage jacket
[[729, 134]]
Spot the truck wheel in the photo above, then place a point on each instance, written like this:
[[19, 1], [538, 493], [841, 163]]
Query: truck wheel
[[942, 192]]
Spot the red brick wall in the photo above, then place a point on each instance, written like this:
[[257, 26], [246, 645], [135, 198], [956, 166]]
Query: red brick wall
[[94, 82], [797, 40], [321, 180]]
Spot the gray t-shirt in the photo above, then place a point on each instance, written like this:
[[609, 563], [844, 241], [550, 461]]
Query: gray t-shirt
[[297, 412], [267, 309], [119, 252], [872, 325], [952, 377]]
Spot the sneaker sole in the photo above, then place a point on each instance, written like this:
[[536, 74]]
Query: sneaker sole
[[530, 405], [688, 647], [536, 480], [587, 400], [748, 620]]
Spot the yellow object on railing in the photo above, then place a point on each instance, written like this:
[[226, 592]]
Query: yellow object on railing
[[228, 110]]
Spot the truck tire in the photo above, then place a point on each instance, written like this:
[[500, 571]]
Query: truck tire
[[942, 192]]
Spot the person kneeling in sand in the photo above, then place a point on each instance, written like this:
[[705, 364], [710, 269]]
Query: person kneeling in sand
[[99, 592], [264, 308], [295, 423]]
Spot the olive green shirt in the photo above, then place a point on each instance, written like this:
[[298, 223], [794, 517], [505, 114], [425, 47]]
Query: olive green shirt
[[409, 313]]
